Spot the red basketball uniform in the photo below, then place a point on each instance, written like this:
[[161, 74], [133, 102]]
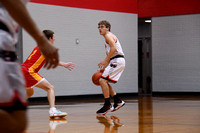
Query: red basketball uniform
[[31, 66]]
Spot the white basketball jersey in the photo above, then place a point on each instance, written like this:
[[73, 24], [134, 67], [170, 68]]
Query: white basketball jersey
[[10, 23], [119, 48], [12, 84]]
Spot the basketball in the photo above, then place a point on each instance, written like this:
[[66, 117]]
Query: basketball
[[95, 78]]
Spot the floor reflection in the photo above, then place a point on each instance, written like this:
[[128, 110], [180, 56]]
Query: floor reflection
[[111, 123], [139, 115], [54, 122], [145, 115]]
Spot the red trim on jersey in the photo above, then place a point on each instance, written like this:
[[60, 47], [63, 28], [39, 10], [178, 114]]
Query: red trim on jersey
[[15, 98]]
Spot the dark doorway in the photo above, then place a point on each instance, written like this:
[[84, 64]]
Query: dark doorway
[[140, 66], [144, 57]]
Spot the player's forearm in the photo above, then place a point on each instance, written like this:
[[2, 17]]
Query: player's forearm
[[111, 53], [61, 63]]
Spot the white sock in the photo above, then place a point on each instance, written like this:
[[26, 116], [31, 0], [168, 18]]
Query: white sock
[[53, 109]]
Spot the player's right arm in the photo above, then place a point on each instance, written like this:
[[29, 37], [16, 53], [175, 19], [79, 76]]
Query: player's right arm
[[21, 15]]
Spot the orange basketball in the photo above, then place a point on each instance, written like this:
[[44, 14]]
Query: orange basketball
[[95, 78]]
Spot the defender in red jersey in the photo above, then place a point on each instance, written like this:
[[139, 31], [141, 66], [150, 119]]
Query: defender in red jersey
[[30, 68]]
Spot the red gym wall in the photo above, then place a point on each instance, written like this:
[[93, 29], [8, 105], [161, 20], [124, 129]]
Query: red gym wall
[[153, 8], [127, 6], [144, 8]]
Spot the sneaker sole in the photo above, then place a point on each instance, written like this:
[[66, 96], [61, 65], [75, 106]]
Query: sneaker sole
[[118, 107], [58, 119], [110, 110], [60, 116]]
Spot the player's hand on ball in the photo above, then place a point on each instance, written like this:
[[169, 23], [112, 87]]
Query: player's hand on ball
[[69, 65], [103, 64], [101, 70]]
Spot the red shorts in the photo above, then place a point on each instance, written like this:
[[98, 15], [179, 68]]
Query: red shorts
[[31, 77]]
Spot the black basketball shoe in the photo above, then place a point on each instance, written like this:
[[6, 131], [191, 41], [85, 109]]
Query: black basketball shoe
[[105, 109], [118, 105]]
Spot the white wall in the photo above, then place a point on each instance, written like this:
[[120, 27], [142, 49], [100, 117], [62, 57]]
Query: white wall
[[176, 53], [70, 24]]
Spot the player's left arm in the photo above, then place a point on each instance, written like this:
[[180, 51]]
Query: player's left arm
[[113, 48], [110, 40], [68, 65]]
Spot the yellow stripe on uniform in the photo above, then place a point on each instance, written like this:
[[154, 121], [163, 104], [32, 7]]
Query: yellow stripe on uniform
[[34, 66]]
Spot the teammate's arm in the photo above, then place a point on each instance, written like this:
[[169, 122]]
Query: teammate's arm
[[21, 15]]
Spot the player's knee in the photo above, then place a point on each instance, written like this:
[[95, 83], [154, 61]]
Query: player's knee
[[102, 81], [51, 88], [29, 92]]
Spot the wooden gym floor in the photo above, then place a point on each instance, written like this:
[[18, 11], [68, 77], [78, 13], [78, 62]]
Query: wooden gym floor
[[139, 115]]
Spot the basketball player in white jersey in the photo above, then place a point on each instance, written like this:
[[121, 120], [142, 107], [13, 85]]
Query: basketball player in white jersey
[[112, 67], [12, 87]]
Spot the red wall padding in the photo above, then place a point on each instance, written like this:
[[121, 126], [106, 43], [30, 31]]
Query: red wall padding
[[127, 6], [144, 8], [153, 8]]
